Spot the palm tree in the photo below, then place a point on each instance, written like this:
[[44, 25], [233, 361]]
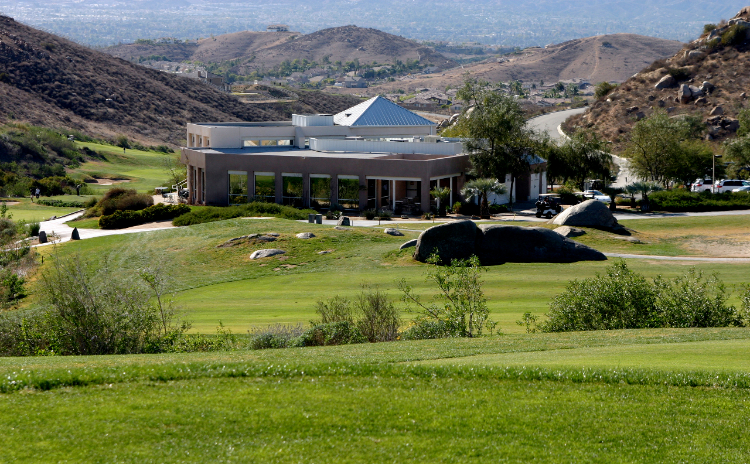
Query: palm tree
[[644, 188], [442, 194], [481, 188]]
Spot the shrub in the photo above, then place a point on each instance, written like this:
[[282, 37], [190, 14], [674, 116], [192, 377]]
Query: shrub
[[275, 336], [256, 208], [385, 215], [379, 319], [623, 299], [119, 199], [335, 333], [159, 212], [680, 74], [680, 200], [34, 229], [426, 329], [734, 35], [457, 207], [496, 209], [461, 305], [61, 203], [370, 214], [336, 309], [603, 89], [708, 28]]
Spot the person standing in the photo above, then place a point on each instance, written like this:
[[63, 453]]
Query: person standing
[[38, 192]]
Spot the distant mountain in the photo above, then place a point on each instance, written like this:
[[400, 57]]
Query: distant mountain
[[726, 69], [613, 57], [50, 81], [264, 50]]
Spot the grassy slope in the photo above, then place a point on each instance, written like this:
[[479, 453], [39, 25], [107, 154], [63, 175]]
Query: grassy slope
[[364, 404], [222, 284]]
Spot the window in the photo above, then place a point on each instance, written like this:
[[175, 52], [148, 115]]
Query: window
[[320, 191], [237, 187], [349, 192], [292, 189], [265, 186], [250, 143]]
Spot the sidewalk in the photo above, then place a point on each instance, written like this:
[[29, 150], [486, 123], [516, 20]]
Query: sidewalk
[[64, 231]]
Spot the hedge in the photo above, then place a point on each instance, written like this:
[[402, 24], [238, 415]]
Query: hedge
[[683, 201], [60, 203], [256, 208], [128, 218]]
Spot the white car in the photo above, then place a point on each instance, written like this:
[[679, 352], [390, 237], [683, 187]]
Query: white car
[[597, 195], [701, 185], [742, 189]]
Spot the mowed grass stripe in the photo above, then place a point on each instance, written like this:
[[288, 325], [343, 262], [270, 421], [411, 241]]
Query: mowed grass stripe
[[716, 355]]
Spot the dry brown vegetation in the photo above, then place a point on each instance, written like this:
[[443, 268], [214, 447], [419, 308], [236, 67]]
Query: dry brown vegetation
[[264, 50], [726, 67], [613, 57], [49, 81]]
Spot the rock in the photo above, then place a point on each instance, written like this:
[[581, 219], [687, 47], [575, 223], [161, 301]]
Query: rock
[[236, 240], [684, 95], [693, 54], [305, 235], [344, 221], [340, 228], [626, 238], [661, 103], [670, 109], [717, 111], [325, 252], [640, 115], [631, 109], [666, 82], [271, 234], [567, 231], [452, 240], [409, 244], [590, 213], [707, 87], [695, 91], [497, 244], [267, 253], [42, 236], [75, 235], [651, 98], [701, 101], [394, 232], [743, 95], [731, 125]]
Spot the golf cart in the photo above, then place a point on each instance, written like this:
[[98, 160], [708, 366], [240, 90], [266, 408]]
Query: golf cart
[[548, 205]]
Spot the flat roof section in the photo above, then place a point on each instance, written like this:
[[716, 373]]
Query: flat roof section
[[288, 151]]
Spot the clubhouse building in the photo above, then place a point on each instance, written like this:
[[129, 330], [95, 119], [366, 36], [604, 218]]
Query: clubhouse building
[[373, 155]]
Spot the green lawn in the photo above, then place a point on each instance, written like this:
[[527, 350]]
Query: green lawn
[[222, 284], [143, 169], [380, 402], [27, 211]]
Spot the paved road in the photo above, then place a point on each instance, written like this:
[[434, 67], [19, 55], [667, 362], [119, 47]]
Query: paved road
[[550, 122]]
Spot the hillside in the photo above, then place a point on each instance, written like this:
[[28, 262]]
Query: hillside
[[49, 81], [613, 57], [264, 50], [723, 66]]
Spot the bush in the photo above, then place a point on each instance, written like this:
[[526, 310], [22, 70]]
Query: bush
[[256, 208], [119, 199], [426, 329], [335, 333], [457, 207], [159, 212], [336, 309], [708, 28], [385, 215], [734, 35], [679, 200], [370, 214], [34, 229], [379, 319], [275, 336], [61, 203], [623, 299], [680, 74], [603, 89], [496, 209]]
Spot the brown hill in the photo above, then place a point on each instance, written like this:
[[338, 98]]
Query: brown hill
[[613, 57], [50, 81], [264, 50], [725, 67]]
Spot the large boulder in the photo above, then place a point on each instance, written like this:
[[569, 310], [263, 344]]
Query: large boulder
[[590, 213], [497, 244], [666, 82], [452, 240], [684, 94], [267, 253]]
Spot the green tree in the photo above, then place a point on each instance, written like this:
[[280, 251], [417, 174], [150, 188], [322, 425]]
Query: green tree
[[481, 189], [441, 194], [122, 142], [581, 157], [602, 89], [737, 151], [496, 133], [656, 146]]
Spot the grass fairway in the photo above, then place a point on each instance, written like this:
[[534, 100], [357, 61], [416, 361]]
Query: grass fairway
[[379, 403], [27, 211], [223, 284], [144, 170]]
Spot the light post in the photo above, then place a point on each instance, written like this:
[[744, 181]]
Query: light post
[[713, 173]]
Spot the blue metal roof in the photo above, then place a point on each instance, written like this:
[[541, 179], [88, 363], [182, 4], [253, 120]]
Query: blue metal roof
[[379, 111]]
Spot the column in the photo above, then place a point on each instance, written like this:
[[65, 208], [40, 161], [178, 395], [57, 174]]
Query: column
[[278, 182], [393, 195], [450, 186], [424, 195], [190, 183]]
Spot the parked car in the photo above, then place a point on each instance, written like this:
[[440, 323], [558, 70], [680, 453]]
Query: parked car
[[701, 185], [727, 185], [596, 195], [742, 189]]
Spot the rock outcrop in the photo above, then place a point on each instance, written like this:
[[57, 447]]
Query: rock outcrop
[[567, 231], [267, 253], [496, 244], [666, 82], [394, 232], [305, 235], [590, 213]]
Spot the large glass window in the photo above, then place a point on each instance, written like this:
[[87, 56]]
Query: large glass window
[[265, 187], [320, 191], [237, 187], [292, 189], [349, 192]]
